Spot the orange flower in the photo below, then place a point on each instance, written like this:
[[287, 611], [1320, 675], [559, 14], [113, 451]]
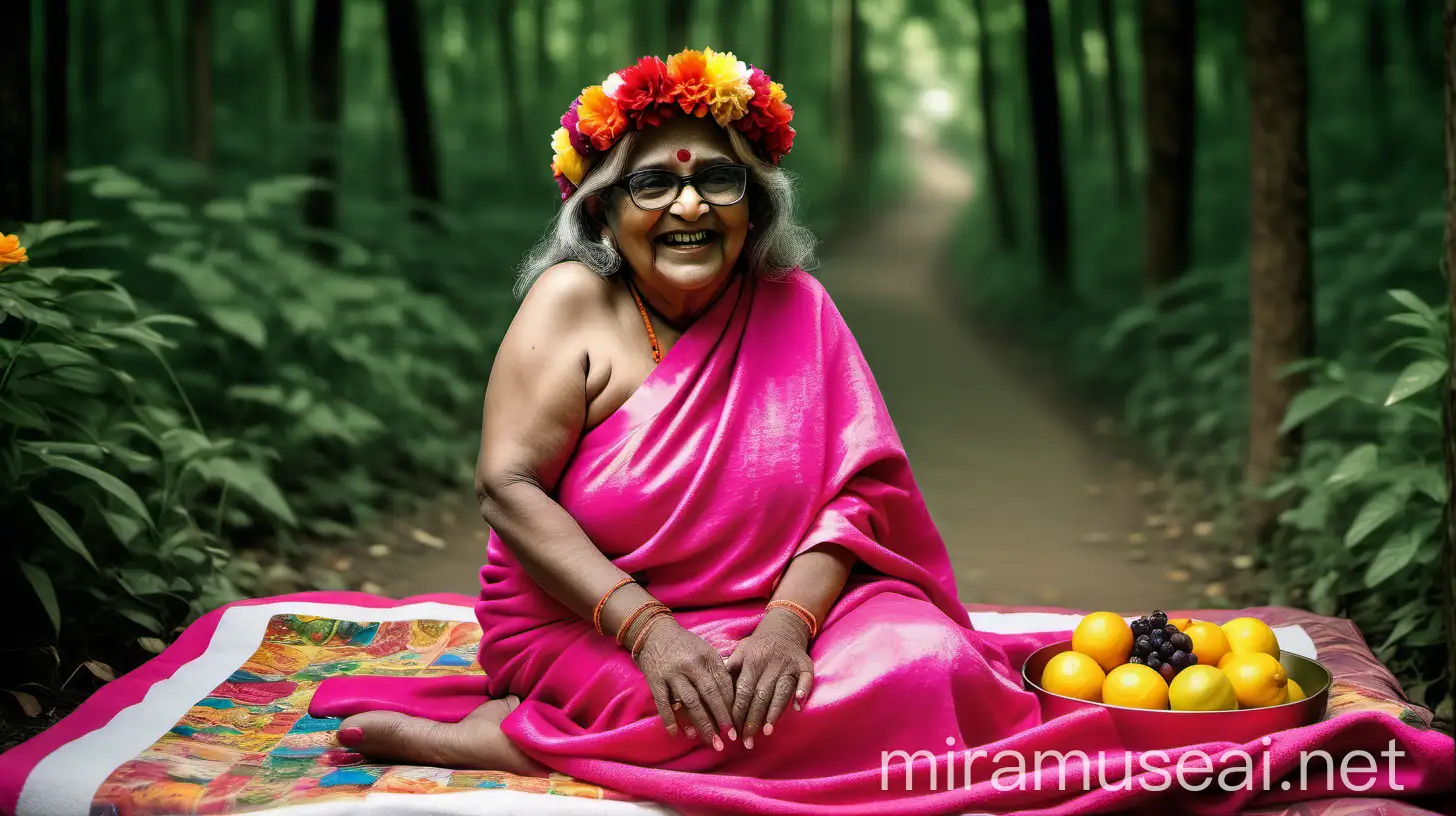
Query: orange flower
[[687, 71], [601, 120], [11, 252]]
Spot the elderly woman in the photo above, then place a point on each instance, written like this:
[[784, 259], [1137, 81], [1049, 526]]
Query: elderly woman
[[711, 579]]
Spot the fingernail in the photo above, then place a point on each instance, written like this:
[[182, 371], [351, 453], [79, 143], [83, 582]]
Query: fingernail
[[717, 743], [692, 733], [799, 694], [733, 733], [797, 707], [748, 743], [349, 737], [767, 729]]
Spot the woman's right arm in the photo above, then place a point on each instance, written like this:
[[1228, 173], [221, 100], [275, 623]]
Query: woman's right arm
[[535, 410]]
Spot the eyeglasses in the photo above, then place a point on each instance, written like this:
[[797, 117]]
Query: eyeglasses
[[720, 185]]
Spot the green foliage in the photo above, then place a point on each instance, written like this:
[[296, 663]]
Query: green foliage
[[186, 378], [1359, 537]]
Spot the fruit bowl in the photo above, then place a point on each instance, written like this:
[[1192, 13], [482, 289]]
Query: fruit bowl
[[1148, 729]]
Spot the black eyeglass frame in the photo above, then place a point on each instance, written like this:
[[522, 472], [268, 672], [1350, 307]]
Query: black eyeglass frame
[[625, 183]]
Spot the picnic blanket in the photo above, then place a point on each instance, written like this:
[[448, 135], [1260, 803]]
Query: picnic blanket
[[219, 723]]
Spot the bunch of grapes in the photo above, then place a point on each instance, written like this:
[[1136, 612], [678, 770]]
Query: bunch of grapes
[[1159, 645]]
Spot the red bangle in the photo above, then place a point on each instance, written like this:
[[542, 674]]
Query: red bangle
[[642, 636], [803, 614], [627, 624], [597, 613]]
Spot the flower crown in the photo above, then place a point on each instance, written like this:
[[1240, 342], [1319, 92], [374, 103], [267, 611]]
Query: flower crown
[[694, 83]]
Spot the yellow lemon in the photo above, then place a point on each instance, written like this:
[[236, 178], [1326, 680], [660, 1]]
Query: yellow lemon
[[1105, 637], [1209, 642], [1250, 635], [1201, 688], [1258, 679], [1133, 685], [1073, 674], [1181, 623], [1295, 692]]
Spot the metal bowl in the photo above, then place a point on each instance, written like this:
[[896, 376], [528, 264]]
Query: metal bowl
[[1145, 730]]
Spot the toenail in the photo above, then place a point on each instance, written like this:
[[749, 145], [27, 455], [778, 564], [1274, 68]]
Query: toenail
[[349, 737]]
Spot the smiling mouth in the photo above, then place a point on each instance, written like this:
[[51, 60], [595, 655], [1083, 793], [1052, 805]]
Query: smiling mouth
[[687, 240]]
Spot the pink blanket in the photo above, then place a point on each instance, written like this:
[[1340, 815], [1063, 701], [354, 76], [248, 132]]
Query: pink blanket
[[761, 434]]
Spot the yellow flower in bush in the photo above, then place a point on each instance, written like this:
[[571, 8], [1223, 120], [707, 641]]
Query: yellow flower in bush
[[11, 252], [567, 161]]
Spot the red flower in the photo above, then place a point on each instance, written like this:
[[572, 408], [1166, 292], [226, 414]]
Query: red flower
[[644, 85], [569, 121]]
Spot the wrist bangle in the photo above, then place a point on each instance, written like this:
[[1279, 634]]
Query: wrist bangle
[[627, 624], [803, 614], [647, 627], [597, 613]]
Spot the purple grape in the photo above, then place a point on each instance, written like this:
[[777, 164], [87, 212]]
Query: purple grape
[[1181, 641], [1158, 619], [1167, 671], [1136, 661], [1179, 659], [1140, 627], [1154, 661]]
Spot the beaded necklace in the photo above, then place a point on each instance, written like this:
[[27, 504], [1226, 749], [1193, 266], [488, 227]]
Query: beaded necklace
[[646, 321]]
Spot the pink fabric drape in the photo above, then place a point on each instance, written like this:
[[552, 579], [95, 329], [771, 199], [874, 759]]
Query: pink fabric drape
[[760, 435]]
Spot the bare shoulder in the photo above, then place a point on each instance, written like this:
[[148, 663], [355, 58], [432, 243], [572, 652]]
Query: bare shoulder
[[567, 291]]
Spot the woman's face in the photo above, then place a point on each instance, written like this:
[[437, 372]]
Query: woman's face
[[688, 245]]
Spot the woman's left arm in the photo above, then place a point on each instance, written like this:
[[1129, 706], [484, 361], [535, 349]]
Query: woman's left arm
[[772, 665]]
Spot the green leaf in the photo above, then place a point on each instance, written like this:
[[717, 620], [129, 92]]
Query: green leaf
[[225, 209], [1393, 557], [1308, 404], [1403, 626], [1417, 377], [144, 619], [1356, 465], [249, 480], [41, 583], [1430, 480], [1413, 320], [104, 480], [240, 323], [1415, 304], [63, 530], [1382, 507], [205, 282], [124, 527], [23, 414], [139, 582]]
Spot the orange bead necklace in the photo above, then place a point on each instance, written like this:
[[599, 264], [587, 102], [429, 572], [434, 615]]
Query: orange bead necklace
[[646, 321]]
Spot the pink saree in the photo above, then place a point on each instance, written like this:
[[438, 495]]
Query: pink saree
[[760, 435]]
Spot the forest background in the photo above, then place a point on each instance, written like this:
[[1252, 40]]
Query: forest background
[[264, 236]]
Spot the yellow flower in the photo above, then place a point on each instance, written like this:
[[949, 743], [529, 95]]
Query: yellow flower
[[567, 162], [776, 92], [727, 78], [11, 252]]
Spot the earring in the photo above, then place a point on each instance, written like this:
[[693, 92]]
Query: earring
[[607, 242]]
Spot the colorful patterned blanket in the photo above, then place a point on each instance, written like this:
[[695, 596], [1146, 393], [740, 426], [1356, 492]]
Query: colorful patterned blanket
[[218, 723]]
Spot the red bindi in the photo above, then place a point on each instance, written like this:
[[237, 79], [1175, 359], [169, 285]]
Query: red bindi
[[684, 155]]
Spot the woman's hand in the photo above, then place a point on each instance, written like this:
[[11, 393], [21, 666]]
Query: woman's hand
[[681, 666], [772, 665]]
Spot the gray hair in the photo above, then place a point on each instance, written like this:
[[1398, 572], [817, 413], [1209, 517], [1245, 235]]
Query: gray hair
[[776, 246]]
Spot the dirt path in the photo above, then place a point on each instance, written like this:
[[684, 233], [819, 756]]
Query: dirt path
[[1033, 510]]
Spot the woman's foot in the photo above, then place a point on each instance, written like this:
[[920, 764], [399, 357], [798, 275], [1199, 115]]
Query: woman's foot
[[474, 743]]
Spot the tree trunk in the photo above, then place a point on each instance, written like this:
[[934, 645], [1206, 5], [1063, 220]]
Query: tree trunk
[[287, 34], [1425, 45], [199, 72], [89, 67], [168, 70], [778, 35], [1075, 26], [677, 25], [995, 166], [1168, 108], [1450, 582], [730, 12], [545, 70], [325, 56], [863, 117], [1046, 122], [57, 105], [1281, 288], [505, 24], [1116, 121], [412, 93], [17, 195]]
